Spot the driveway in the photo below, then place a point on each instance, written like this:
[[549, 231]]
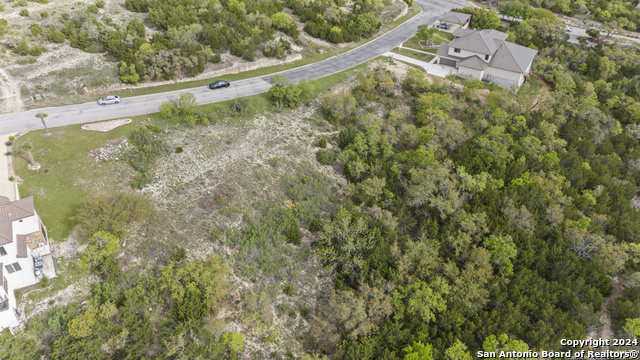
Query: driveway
[[147, 104], [430, 67]]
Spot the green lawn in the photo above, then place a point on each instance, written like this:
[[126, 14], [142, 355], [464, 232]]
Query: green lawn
[[68, 174], [316, 57], [413, 54], [438, 38]]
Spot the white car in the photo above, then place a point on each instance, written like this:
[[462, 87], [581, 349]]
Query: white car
[[568, 29], [111, 99]]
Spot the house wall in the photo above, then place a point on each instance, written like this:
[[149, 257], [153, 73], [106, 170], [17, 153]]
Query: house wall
[[464, 53], [505, 74], [8, 317], [464, 71], [24, 277], [504, 78]]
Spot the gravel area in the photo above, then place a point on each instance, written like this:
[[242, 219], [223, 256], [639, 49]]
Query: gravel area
[[105, 126]]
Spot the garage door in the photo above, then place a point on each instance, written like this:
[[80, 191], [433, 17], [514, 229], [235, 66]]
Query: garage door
[[447, 62]]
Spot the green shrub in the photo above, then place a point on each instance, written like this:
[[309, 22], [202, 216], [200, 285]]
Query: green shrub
[[322, 143], [11, 178], [8, 153], [326, 157], [24, 12], [137, 5], [147, 147], [56, 36], [179, 150], [100, 4], [294, 236], [304, 312], [44, 282], [92, 9], [315, 225], [195, 288], [113, 214], [36, 50], [12, 138], [8, 143], [179, 253], [64, 16], [274, 161], [35, 29], [285, 93], [1, 7], [288, 289], [44, 14]]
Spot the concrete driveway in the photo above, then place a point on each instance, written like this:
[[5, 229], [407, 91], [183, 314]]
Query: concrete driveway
[[430, 67], [147, 104]]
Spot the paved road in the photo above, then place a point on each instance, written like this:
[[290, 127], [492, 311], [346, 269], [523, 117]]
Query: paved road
[[147, 104]]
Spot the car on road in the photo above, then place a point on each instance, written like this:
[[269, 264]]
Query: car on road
[[219, 84], [568, 29], [111, 99]]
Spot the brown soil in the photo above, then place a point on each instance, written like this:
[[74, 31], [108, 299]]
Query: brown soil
[[606, 331]]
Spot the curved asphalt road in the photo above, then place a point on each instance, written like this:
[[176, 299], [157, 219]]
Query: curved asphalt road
[[147, 104]]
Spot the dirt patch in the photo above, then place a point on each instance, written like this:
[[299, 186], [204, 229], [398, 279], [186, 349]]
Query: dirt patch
[[112, 150], [635, 202], [105, 126], [10, 99], [482, 95], [606, 331], [543, 94]]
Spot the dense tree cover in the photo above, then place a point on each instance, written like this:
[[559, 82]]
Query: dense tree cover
[[196, 32], [476, 223], [614, 14], [133, 315]]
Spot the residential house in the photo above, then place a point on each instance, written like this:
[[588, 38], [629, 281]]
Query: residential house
[[486, 55], [25, 254], [455, 19]]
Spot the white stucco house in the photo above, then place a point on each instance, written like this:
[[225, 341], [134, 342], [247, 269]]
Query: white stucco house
[[25, 254], [487, 56]]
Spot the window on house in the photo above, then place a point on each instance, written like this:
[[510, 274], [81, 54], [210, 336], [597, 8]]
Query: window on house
[[456, 50], [486, 57], [11, 268], [2, 251]]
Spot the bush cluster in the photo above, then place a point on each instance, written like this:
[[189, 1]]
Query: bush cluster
[[326, 156], [147, 146]]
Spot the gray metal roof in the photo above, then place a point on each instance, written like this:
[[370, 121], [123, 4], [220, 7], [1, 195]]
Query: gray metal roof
[[512, 57], [474, 62], [455, 17]]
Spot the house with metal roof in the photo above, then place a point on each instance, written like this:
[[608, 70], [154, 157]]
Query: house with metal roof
[[25, 254], [487, 56]]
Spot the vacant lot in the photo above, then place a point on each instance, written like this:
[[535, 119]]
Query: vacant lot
[[224, 188]]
